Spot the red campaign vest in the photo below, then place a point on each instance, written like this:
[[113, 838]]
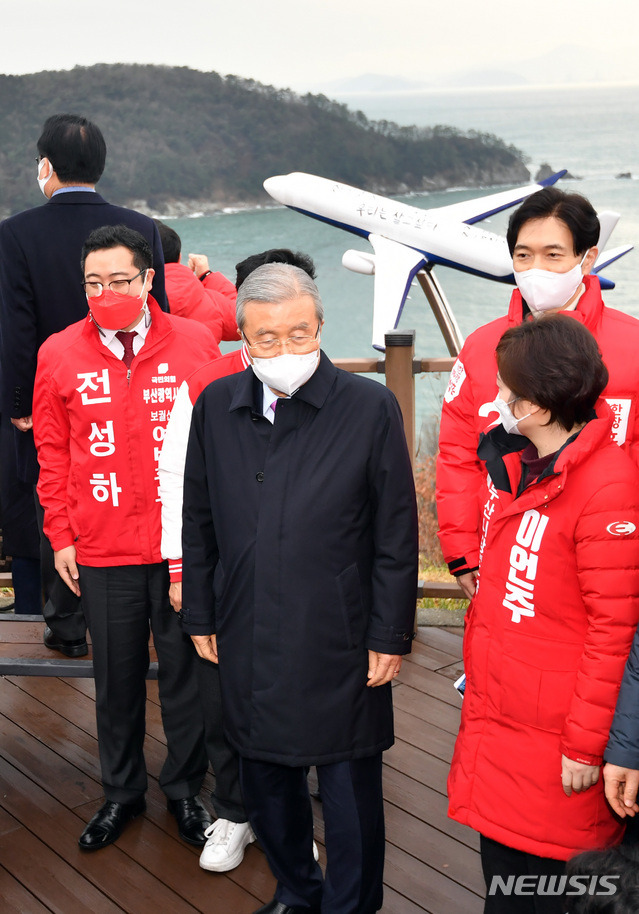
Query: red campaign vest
[[99, 437]]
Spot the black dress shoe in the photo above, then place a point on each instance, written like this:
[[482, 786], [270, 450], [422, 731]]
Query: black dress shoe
[[107, 824], [68, 648], [276, 907], [192, 819]]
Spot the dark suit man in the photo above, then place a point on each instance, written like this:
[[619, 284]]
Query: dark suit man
[[299, 516], [41, 294]]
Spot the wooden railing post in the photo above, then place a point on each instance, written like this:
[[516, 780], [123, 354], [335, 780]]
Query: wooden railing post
[[400, 349]]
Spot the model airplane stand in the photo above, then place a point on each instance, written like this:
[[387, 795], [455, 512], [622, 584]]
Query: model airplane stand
[[441, 309]]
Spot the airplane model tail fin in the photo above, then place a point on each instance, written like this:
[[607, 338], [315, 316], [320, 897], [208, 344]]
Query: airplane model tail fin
[[607, 222]]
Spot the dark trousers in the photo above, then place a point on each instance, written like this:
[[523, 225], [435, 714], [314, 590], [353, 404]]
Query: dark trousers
[[120, 604], [279, 809], [62, 611], [227, 795], [499, 860], [27, 587]]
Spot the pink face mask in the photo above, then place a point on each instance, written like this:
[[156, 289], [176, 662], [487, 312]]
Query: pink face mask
[[114, 310]]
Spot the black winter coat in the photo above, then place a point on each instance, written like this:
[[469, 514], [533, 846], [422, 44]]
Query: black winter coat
[[300, 552]]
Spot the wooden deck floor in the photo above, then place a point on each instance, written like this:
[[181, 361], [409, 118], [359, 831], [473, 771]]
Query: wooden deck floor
[[50, 786]]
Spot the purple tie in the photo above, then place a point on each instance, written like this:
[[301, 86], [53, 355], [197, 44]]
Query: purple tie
[[274, 403], [126, 338]]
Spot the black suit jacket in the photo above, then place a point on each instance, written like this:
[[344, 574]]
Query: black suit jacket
[[40, 290]]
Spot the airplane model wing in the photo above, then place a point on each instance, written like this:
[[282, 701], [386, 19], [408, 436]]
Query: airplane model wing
[[605, 259], [395, 269], [471, 211]]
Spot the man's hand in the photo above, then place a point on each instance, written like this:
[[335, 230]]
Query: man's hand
[[577, 777], [382, 668], [175, 595], [467, 582], [199, 263], [621, 785], [206, 646], [67, 569], [24, 424]]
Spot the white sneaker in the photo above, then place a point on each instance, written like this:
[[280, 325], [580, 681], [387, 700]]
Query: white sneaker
[[225, 844]]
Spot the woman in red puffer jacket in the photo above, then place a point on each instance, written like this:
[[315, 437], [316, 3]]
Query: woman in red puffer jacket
[[550, 626]]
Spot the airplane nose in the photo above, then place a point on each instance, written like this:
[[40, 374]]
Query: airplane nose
[[276, 186]]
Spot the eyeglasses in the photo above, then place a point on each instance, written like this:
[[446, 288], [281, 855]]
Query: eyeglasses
[[296, 343], [117, 285]]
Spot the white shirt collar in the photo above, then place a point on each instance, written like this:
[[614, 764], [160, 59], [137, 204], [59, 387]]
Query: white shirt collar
[[268, 398]]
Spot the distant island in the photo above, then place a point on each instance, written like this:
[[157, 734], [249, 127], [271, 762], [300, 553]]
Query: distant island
[[182, 141], [565, 64]]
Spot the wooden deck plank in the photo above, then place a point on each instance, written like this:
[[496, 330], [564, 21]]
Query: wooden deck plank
[[428, 737], [44, 766], [444, 639], [395, 903], [418, 765], [16, 899], [427, 888], [136, 872], [429, 682], [430, 657], [50, 786], [439, 850], [438, 713], [50, 878], [119, 878], [421, 800]]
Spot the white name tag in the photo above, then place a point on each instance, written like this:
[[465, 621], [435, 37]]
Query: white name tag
[[457, 378], [621, 410]]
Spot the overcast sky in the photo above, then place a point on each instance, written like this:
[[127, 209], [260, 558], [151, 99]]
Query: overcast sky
[[305, 43]]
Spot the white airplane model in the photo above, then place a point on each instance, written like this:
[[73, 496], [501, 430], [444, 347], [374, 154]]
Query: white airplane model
[[407, 239]]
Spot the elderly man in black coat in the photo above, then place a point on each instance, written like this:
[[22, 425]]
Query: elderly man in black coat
[[300, 568]]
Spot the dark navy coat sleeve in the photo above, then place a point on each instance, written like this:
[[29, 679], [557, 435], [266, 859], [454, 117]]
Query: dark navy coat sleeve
[[394, 577], [623, 742]]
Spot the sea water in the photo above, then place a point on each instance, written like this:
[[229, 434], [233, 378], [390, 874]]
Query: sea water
[[593, 131]]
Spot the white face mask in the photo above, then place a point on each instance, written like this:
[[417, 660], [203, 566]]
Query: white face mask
[[506, 417], [42, 182], [288, 372], [543, 290]]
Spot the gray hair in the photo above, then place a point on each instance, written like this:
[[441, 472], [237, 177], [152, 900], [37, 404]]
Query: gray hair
[[273, 283]]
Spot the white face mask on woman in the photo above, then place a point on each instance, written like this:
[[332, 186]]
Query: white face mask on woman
[[288, 372], [506, 417], [544, 290]]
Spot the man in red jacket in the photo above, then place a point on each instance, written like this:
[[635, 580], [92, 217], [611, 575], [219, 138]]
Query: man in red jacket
[[103, 395], [553, 239], [195, 291]]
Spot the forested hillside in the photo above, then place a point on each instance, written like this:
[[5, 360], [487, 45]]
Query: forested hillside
[[177, 136]]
